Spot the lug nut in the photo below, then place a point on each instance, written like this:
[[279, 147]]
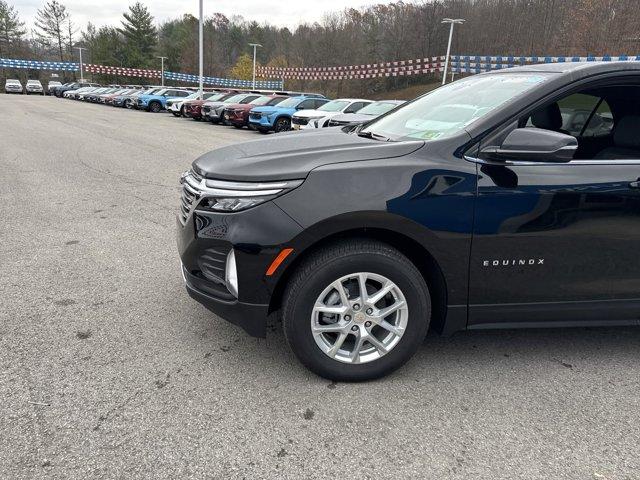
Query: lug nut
[[347, 318], [367, 324], [354, 328], [356, 307], [369, 311]]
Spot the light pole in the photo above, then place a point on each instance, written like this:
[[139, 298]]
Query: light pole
[[255, 46], [452, 22], [162, 59], [81, 74], [200, 47]]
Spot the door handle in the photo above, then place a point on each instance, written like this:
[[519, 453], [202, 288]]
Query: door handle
[[635, 184]]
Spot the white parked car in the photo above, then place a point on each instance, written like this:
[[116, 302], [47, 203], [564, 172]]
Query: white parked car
[[51, 85], [174, 105], [320, 117], [12, 86], [34, 86]]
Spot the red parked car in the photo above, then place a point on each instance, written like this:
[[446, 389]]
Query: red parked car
[[237, 114], [193, 108]]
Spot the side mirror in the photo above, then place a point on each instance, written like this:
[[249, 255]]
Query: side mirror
[[533, 145]]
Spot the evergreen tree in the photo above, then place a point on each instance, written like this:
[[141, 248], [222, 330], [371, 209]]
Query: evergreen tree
[[50, 25], [140, 35], [11, 28]]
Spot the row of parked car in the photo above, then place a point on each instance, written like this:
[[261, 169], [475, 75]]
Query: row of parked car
[[13, 85], [263, 111]]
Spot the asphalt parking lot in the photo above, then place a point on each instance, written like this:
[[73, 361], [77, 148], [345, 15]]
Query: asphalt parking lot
[[109, 369]]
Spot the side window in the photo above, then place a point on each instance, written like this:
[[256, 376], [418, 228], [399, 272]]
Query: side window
[[601, 124], [183, 94], [354, 107], [306, 105], [571, 114], [577, 110], [319, 103]]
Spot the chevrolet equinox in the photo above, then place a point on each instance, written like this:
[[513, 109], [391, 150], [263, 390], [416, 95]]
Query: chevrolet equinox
[[502, 200]]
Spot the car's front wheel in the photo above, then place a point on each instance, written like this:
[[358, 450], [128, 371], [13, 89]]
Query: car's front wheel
[[282, 125], [355, 311], [155, 107]]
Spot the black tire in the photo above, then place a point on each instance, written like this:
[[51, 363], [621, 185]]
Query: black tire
[[239, 127], [333, 262], [175, 114], [264, 131], [128, 104], [155, 107], [283, 124]]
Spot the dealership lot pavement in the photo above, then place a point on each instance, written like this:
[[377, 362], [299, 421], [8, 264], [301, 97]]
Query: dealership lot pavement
[[109, 370]]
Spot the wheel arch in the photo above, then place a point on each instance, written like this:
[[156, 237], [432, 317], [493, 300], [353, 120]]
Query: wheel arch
[[420, 256]]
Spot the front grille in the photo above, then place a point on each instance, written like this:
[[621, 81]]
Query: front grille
[[256, 116], [299, 121], [190, 194], [206, 109]]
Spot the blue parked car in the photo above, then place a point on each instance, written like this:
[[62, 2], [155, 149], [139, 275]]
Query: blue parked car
[[278, 117], [157, 101]]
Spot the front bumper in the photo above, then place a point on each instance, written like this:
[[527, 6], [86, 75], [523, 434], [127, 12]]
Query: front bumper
[[250, 317], [257, 236], [261, 123], [233, 117]]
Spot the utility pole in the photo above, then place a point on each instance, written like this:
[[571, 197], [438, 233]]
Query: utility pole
[[200, 47], [452, 22], [162, 59], [81, 73], [255, 46]]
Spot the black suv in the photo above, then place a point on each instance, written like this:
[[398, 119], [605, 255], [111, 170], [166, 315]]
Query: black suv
[[476, 206]]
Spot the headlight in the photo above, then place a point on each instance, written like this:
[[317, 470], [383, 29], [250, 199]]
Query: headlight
[[223, 196]]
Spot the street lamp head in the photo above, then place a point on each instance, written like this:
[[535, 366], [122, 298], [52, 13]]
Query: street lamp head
[[453, 20], [255, 45]]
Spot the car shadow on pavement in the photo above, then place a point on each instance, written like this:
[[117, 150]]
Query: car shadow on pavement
[[564, 348]]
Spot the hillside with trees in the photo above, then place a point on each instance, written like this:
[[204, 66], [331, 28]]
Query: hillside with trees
[[383, 32]]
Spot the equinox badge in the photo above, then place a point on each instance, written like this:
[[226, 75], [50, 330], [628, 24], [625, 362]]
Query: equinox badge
[[522, 262]]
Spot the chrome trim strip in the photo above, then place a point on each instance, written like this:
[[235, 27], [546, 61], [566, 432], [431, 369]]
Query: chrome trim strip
[[547, 164]]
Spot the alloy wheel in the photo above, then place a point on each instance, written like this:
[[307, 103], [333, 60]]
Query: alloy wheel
[[359, 318]]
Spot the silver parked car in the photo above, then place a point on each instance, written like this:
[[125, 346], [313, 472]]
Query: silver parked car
[[13, 86], [34, 86]]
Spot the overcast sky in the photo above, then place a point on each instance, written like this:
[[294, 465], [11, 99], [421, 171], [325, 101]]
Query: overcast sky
[[282, 13]]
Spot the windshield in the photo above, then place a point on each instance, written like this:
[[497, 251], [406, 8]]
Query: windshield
[[33, 82], [290, 102], [235, 98], [13, 81], [213, 97], [334, 106], [449, 109], [262, 100], [377, 108]]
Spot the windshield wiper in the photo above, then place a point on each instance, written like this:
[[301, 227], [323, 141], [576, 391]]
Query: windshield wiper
[[373, 136]]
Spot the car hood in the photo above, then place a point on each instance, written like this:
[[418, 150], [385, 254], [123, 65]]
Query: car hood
[[213, 104], [353, 117], [293, 155], [314, 114], [269, 110]]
